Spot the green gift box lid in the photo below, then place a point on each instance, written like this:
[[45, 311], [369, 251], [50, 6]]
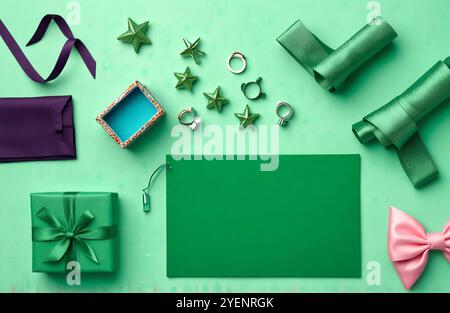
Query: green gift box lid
[[74, 226]]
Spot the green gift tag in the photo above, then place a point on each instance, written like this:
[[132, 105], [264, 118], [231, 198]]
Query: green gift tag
[[300, 220]]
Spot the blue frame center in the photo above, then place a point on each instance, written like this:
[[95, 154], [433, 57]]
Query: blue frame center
[[130, 114]]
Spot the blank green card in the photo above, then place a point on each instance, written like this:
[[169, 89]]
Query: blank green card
[[227, 218]]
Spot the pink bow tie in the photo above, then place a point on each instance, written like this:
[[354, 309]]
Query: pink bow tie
[[409, 245]]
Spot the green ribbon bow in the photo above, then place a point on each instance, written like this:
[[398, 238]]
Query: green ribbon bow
[[329, 67], [395, 124], [70, 235]]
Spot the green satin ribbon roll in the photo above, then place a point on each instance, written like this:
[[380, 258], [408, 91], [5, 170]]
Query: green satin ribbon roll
[[395, 124], [70, 235], [331, 67]]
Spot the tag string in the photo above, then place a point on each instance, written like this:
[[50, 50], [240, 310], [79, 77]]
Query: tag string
[[146, 190]]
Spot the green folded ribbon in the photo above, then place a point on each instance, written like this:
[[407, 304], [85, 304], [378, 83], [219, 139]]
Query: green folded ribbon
[[395, 124], [70, 235], [331, 67]]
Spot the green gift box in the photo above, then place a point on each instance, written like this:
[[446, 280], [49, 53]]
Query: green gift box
[[74, 226]]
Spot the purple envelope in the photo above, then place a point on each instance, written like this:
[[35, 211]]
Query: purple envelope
[[38, 128]]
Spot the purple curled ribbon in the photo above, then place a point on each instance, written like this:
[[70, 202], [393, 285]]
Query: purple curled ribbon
[[63, 56]]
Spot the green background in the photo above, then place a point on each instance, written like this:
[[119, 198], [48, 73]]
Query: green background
[[322, 124]]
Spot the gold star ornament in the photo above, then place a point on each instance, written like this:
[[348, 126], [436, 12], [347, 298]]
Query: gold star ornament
[[192, 50], [215, 99], [185, 80], [135, 35], [246, 118]]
